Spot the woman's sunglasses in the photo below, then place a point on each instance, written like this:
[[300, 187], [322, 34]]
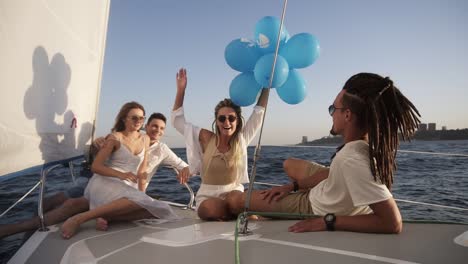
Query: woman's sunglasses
[[137, 118], [230, 118]]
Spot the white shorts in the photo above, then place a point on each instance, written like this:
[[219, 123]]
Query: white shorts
[[215, 191]]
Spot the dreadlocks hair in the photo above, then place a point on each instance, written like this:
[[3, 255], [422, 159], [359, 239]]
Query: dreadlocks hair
[[382, 110], [234, 141]]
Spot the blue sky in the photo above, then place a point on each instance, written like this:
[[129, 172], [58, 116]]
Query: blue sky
[[421, 44]]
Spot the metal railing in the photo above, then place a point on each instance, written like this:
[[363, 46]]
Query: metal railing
[[42, 183], [190, 204], [46, 169]]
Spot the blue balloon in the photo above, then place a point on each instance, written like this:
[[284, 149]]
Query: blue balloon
[[266, 34], [293, 91], [263, 69], [242, 54], [301, 50], [244, 89]]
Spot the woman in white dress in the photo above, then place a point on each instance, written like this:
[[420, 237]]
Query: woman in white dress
[[117, 189], [220, 157]]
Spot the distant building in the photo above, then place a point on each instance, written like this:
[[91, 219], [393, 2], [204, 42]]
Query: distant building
[[422, 127], [444, 128], [431, 126], [304, 139]]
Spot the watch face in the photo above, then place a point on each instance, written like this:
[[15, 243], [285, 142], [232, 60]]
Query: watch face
[[329, 217]]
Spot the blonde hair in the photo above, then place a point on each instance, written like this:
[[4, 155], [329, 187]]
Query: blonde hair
[[234, 142]]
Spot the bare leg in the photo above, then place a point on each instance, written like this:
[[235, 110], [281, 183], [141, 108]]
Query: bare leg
[[54, 201], [114, 209], [236, 202], [103, 224], [296, 169], [299, 170], [69, 208], [214, 209]]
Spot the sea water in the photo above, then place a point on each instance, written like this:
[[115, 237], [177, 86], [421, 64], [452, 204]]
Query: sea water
[[424, 174]]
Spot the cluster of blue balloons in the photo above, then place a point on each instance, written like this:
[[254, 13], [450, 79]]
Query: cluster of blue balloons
[[254, 59]]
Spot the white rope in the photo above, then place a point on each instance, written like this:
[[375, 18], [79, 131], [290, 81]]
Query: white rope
[[400, 150], [434, 153], [258, 147], [434, 205]]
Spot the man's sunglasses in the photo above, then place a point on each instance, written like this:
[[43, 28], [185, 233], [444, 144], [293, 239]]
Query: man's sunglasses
[[332, 109], [231, 118]]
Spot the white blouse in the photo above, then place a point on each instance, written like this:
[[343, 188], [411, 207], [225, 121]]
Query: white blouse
[[194, 150]]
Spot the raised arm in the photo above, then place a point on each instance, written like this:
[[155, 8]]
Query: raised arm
[[263, 99], [104, 153], [255, 120], [181, 81]]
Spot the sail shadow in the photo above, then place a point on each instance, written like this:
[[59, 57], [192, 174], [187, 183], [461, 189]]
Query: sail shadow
[[46, 102]]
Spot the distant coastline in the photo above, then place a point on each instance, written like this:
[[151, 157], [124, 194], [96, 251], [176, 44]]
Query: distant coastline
[[427, 135]]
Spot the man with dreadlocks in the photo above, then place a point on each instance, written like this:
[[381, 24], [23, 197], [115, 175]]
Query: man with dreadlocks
[[354, 193]]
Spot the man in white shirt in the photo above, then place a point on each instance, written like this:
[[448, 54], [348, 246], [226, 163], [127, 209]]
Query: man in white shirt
[[354, 193]]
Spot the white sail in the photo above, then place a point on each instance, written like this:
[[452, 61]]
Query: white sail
[[51, 57]]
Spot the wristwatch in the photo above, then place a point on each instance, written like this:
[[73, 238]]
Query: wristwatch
[[295, 186], [330, 221]]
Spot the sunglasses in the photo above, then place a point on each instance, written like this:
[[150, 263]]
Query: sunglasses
[[137, 118], [332, 108], [230, 118]]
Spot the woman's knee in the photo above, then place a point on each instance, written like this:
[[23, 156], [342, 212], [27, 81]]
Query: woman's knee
[[235, 202], [213, 210]]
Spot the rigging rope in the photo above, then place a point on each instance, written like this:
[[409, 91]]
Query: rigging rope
[[258, 147], [400, 150]]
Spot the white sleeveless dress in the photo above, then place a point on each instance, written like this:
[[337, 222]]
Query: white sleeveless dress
[[103, 189]]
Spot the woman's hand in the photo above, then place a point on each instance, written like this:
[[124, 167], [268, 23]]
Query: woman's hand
[[276, 193], [181, 80], [128, 176], [183, 175], [142, 181]]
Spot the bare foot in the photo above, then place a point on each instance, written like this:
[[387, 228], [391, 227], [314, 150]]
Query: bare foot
[[69, 227], [253, 217], [101, 224]]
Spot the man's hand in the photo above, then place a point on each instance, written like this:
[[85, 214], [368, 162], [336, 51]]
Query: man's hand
[[276, 193], [308, 225], [183, 175], [99, 142]]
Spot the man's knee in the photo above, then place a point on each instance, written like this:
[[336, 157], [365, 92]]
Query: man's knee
[[290, 165], [77, 204], [287, 164]]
